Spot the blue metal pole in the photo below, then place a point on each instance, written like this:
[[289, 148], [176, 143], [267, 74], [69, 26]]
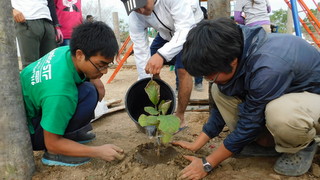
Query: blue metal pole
[[295, 17]]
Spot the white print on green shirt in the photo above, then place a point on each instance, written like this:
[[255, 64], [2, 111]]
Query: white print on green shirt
[[42, 71]]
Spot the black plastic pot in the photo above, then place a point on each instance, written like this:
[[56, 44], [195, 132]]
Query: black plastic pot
[[136, 99]]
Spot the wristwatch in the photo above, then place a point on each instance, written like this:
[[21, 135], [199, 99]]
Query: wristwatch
[[206, 165]]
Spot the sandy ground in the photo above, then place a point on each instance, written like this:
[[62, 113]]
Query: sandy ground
[[117, 128]]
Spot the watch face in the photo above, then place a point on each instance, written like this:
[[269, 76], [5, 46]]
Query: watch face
[[207, 167]]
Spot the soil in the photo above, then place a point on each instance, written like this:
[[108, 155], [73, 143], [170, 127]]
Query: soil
[[117, 128]]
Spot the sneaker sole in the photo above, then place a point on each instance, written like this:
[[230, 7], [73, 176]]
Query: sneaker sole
[[57, 163]]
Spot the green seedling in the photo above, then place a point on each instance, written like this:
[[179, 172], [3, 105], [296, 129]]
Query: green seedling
[[166, 125]]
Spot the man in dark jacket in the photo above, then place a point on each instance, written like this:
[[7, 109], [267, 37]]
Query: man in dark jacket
[[267, 92]]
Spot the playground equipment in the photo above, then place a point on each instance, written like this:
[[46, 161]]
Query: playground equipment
[[311, 17]]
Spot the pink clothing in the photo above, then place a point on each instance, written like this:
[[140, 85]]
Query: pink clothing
[[69, 14]]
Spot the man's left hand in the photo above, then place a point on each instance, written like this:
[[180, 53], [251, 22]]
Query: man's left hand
[[194, 170], [59, 35], [154, 64]]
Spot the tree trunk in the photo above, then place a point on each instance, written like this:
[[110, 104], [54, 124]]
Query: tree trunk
[[218, 8], [16, 156]]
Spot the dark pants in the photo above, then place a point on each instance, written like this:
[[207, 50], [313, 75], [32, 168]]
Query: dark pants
[[35, 38], [79, 123]]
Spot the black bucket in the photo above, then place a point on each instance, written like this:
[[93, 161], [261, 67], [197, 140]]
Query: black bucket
[[136, 99]]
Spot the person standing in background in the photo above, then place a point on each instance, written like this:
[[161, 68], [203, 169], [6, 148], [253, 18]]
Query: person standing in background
[[89, 18], [34, 23], [255, 12], [172, 20], [69, 15]]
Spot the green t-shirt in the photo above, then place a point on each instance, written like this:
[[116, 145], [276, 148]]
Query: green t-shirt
[[49, 87]]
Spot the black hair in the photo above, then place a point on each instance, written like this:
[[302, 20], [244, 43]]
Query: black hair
[[204, 11], [94, 38], [211, 46]]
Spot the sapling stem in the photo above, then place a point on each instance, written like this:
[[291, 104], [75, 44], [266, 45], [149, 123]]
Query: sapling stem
[[158, 143]]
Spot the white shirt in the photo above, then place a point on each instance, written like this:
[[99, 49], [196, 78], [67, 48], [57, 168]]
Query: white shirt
[[32, 9], [177, 15]]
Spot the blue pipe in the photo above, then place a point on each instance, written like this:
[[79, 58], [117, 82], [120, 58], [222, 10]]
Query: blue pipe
[[295, 17]]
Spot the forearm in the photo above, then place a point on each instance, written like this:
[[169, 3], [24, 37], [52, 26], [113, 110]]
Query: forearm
[[216, 157], [99, 86], [201, 140], [70, 148]]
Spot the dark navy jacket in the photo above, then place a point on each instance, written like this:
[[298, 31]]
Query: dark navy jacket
[[271, 65]]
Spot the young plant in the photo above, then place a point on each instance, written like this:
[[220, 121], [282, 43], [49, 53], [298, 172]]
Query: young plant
[[166, 125]]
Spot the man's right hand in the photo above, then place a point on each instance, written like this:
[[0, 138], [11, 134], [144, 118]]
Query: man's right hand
[[110, 152], [154, 64], [18, 16], [185, 145]]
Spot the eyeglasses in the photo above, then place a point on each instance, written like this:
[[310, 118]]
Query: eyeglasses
[[103, 67], [212, 80]]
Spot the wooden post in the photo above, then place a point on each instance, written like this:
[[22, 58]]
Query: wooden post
[[16, 156], [216, 9], [116, 27], [289, 22]]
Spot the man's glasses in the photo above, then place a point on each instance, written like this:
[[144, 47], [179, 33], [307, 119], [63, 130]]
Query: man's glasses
[[103, 67], [212, 80]]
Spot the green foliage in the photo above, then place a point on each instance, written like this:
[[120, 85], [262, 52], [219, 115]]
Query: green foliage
[[308, 23], [279, 18], [166, 124]]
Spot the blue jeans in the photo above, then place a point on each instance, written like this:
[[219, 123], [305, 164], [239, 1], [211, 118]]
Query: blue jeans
[[80, 121], [65, 42]]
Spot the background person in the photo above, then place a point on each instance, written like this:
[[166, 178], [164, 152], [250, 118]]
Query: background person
[[70, 15], [172, 20], [255, 12], [34, 24]]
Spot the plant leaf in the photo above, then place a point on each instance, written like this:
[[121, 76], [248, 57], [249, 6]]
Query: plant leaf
[[169, 124], [151, 110], [164, 107], [153, 91], [143, 120], [160, 104], [166, 138], [152, 120]]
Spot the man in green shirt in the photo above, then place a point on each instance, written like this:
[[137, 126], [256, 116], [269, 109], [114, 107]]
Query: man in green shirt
[[60, 102]]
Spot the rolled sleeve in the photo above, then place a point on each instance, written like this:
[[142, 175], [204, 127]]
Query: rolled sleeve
[[214, 125]]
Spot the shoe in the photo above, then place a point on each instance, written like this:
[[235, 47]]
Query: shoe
[[198, 87], [255, 150], [62, 160], [296, 164], [81, 137], [86, 137]]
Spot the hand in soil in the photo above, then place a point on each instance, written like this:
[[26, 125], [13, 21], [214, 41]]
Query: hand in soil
[[185, 145], [110, 152], [194, 170]]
